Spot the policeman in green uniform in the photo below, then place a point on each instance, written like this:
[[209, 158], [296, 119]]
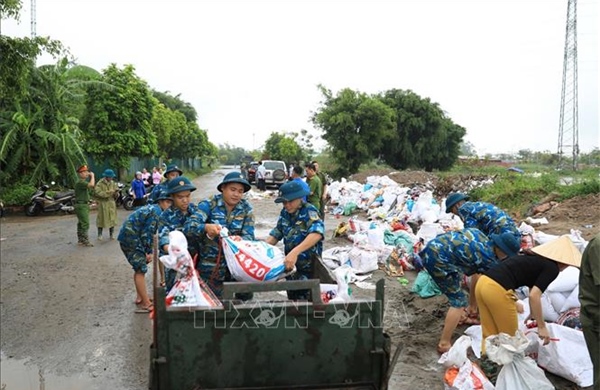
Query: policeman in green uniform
[[82, 207]]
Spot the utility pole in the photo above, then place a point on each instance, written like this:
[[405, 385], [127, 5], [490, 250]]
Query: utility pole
[[568, 127], [33, 21]]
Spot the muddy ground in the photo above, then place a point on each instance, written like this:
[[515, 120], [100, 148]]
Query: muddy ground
[[67, 312]]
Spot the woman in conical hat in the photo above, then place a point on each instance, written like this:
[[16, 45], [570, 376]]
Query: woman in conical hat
[[536, 269]]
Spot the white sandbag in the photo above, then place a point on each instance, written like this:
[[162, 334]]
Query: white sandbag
[[188, 290], [375, 235], [548, 310], [578, 240], [335, 257], [518, 372], [522, 317], [468, 374], [429, 231], [571, 301], [557, 299], [474, 332], [363, 261], [542, 238], [526, 229], [566, 280], [252, 261], [567, 357]]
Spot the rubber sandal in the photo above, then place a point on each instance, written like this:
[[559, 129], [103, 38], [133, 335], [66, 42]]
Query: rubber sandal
[[146, 309]]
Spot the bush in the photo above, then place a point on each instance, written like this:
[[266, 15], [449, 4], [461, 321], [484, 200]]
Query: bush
[[584, 187], [18, 195]]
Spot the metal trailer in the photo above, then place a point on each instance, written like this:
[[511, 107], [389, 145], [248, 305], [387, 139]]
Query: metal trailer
[[271, 344]]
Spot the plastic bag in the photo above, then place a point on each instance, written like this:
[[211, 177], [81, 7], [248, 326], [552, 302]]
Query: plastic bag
[[519, 372], [252, 261], [188, 290], [424, 285], [461, 373]]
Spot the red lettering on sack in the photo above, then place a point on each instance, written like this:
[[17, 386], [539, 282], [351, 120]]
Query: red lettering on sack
[[251, 266]]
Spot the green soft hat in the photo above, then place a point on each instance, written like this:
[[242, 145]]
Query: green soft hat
[[173, 168], [453, 199], [234, 177], [291, 190], [507, 242], [108, 173], [179, 184]]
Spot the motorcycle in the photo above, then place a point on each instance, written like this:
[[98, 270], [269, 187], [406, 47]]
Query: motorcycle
[[41, 202], [123, 198]]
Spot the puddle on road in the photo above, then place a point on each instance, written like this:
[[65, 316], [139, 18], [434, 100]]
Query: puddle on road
[[20, 375]]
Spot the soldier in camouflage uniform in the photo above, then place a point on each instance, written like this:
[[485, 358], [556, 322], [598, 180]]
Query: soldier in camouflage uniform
[[136, 240], [175, 218], [451, 255], [302, 231], [486, 217], [228, 209]]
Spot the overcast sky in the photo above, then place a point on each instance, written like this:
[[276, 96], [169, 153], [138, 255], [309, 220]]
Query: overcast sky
[[251, 68]]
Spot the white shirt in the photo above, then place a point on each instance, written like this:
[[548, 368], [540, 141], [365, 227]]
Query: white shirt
[[261, 172]]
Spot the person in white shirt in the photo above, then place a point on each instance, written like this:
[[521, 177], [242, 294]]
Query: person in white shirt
[[261, 173]]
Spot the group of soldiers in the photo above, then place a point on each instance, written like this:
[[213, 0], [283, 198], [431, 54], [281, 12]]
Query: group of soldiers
[[170, 208]]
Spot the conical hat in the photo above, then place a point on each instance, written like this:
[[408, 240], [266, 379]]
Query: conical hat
[[561, 250]]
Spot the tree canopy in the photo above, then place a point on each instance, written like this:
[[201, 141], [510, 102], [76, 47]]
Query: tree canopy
[[400, 127], [117, 121], [355, 125]]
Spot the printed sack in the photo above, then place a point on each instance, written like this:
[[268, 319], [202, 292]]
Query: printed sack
[[252, 261]]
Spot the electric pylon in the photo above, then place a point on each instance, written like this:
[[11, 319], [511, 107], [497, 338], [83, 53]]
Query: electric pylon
[[33, 21], [568, 127]]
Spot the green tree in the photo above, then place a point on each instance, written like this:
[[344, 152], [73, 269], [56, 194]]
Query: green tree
[[10, 9], [231, 155], [118, 122], [282, 147], [424, 136], [356, 126], [185, 138], [175, 103]]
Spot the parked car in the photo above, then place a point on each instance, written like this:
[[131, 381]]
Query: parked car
[[252, 171], [276, 172]]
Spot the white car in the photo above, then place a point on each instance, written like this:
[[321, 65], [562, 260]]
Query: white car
[[276, 172]]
